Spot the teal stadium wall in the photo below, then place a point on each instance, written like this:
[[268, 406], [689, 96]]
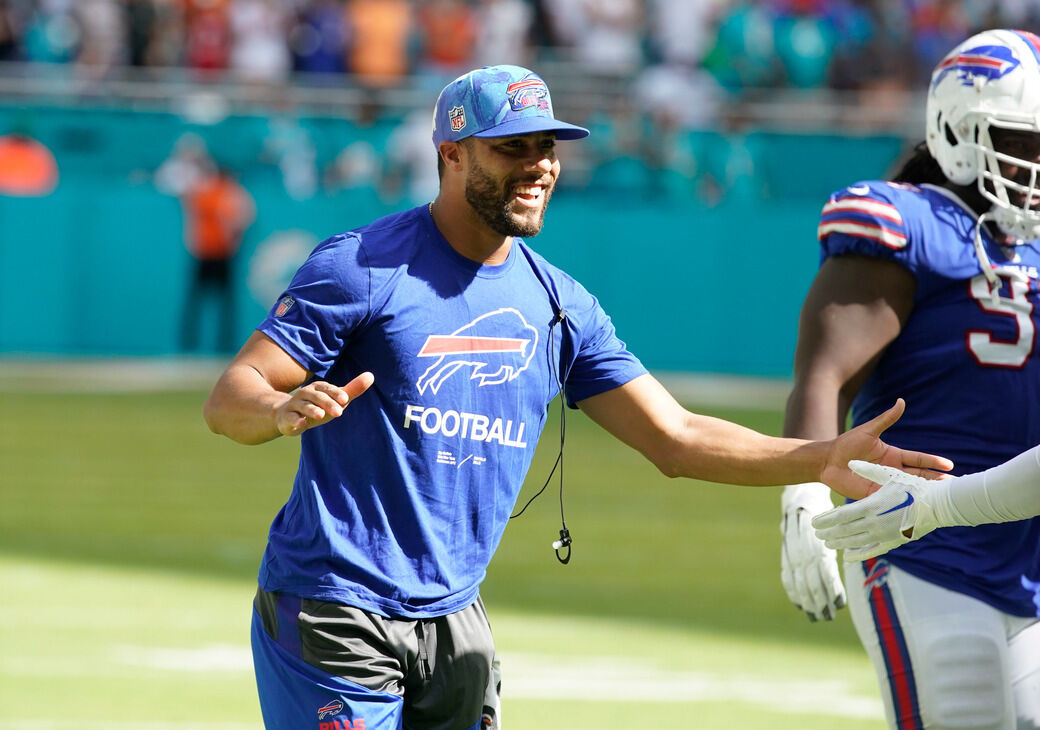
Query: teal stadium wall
[[99, 266]]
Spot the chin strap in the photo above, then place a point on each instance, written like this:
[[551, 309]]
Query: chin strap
[[984, 262], [988, 270]]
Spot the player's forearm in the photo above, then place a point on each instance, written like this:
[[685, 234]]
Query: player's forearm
[[816, 408], [243, 407], [1005, 493]]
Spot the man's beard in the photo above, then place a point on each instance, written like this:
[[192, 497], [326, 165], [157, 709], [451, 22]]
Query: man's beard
[[489, 202]]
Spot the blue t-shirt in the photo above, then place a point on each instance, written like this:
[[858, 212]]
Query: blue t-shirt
[[399, 504], [965, 363]]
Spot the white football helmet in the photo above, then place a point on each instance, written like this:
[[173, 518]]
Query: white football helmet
[[990, 80]]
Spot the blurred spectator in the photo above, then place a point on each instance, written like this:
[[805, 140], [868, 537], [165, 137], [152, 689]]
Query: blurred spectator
[[10, 32], [289, 147], [678, 95], [318, 39], [379, 38], [938, 26], [217, 213], [743, 55], [804, 38], [503, 33], [867, 53], [207, 34], [27, 166], [448, 29], [103, 36], [611, 38], [359, 164], [680, 31], [139, 19], [260, 41], [189, 162], [565, 21], [410, 160], [52, 34], [166, 38]]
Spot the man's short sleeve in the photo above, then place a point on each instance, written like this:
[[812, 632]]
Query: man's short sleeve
[[602, 362], [326, 301]]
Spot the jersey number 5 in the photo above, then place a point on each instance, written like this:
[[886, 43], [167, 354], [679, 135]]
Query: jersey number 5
[[996, 353]]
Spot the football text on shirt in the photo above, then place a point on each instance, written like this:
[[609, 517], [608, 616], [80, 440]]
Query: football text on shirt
[[466, 425]]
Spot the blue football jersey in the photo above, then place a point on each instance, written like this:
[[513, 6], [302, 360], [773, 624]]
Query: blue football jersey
[[966, 364], [399, 504]]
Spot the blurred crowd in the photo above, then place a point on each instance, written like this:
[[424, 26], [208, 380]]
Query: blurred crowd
[[742, 44], [671, 87]]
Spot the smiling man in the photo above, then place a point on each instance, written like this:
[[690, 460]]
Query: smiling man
[[448, 336]]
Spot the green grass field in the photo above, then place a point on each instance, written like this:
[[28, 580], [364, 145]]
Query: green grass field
[[130, 537]]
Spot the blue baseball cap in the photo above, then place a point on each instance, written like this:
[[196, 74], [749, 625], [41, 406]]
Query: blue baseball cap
[[497, 101]]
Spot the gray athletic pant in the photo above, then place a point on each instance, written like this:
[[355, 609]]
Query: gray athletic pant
[[444, 668]]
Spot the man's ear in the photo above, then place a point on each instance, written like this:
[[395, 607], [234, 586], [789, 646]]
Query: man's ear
[[451, 153]]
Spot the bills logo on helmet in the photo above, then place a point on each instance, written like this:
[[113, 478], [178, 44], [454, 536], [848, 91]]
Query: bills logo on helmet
[[495, 347], [531, 91], [987, 62]]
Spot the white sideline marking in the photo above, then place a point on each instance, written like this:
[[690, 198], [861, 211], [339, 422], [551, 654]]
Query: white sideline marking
[[551, 677], [109, 375], [213, 658], [149, 374], [617, 680]]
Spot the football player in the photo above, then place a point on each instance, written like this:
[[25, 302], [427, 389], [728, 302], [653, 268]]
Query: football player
[[928, 288]]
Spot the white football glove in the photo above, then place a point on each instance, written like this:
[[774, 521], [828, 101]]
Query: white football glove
[[808, 568], [897, 513]]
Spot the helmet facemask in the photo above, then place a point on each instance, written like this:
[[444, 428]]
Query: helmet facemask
[[987, 86], [1016, 203]]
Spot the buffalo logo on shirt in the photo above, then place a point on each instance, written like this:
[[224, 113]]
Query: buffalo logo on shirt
[[494, 348]]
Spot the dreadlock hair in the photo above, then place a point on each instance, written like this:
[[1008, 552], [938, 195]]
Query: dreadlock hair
[[920, 167]]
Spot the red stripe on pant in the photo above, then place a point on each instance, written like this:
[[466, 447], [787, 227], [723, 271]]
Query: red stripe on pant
[[901, 682]]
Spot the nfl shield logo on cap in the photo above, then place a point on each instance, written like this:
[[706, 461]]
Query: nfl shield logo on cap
[[457, 117]]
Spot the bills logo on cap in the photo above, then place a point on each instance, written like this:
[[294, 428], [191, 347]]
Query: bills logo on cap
[[531, 91], [987, 62], [457, 118]]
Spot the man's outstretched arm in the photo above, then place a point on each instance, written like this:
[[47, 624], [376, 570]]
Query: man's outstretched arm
[[644, 415]]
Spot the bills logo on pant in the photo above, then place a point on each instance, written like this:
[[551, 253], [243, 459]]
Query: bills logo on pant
[[330, 709], [494, 348]]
